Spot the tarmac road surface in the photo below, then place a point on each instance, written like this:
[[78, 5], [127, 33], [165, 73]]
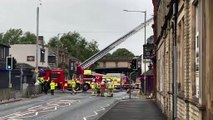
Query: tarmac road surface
[[61, 106]]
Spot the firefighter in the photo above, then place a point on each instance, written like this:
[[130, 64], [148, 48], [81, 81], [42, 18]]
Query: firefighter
[[52, 87], [103, 87], [110, 88], [41, 82], [93, 86], [98, 88], [73, 84]]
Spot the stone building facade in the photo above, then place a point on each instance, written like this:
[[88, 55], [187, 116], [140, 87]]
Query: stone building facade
[[194, 58]]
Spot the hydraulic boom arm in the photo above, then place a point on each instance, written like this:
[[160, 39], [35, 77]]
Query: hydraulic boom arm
[[106, 50]]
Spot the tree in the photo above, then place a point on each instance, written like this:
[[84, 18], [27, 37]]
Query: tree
[[28, 38], [122, 52], [76, 45], [12, 36], [53, 42], [16, 36]]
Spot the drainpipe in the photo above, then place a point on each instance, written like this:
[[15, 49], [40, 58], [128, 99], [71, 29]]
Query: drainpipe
[[175, 11]]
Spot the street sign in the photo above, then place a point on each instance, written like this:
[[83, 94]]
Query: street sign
[[148, 51]]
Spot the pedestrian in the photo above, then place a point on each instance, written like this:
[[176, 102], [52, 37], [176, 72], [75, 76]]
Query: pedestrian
[[52, 87]]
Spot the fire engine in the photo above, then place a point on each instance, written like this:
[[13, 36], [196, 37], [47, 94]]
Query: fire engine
[[58, 76]]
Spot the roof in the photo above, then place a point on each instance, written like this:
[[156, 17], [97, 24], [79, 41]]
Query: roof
[[4, 45], [24, 65]]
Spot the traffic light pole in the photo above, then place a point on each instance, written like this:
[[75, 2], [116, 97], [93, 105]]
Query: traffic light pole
[[130, 88], [9, 67], [10, 85]]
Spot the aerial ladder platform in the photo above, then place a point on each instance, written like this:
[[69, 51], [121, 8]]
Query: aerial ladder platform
[[107, 49]]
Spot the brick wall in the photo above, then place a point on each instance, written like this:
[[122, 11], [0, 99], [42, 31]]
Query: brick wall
[[193, 112], [186, 60], [181, 109]]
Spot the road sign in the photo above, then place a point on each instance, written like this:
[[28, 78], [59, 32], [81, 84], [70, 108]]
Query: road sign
[[148, 51]]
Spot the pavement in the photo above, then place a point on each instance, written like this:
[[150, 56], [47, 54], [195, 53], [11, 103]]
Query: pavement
[[134, 109], [10, 101]]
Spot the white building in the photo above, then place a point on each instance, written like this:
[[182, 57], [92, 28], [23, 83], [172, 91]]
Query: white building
[[26, 53]]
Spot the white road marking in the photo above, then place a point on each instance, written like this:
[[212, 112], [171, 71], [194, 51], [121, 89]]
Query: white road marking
[[107, 105], [96, 112], [35, 107], [46, 107]]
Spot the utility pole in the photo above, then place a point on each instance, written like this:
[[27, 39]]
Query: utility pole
[[175, 11]]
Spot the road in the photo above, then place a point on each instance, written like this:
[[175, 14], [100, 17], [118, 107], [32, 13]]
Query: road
[[61, 106]]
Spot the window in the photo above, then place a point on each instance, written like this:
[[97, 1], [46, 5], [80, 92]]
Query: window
[[180, 62], [197, 52], [2, 53], [161, 75]]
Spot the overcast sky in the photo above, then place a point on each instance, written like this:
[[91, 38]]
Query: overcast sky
[[100, 20]]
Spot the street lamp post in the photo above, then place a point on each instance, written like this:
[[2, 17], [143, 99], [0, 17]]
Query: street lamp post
[[57, 47], [37, 37], [57, 50], [144, 43]]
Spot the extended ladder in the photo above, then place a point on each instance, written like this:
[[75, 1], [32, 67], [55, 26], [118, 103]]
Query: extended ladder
[[106, 50]]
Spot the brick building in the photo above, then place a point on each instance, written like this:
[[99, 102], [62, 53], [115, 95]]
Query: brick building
[[194, 58]]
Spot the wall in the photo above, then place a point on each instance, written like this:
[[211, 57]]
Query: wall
[[21, 51], [189, 106]]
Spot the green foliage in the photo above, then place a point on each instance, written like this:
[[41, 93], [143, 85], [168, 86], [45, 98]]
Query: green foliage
[[16, 36], [28, 38], [122, 52], [76, 45], [53, 42]]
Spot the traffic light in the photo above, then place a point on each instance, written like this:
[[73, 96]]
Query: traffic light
[[14, 63], [42, 55], [9, 63], [134, 64]]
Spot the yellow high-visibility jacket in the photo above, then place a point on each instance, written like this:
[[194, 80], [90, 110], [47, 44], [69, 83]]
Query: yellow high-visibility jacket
[[52, 85]]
